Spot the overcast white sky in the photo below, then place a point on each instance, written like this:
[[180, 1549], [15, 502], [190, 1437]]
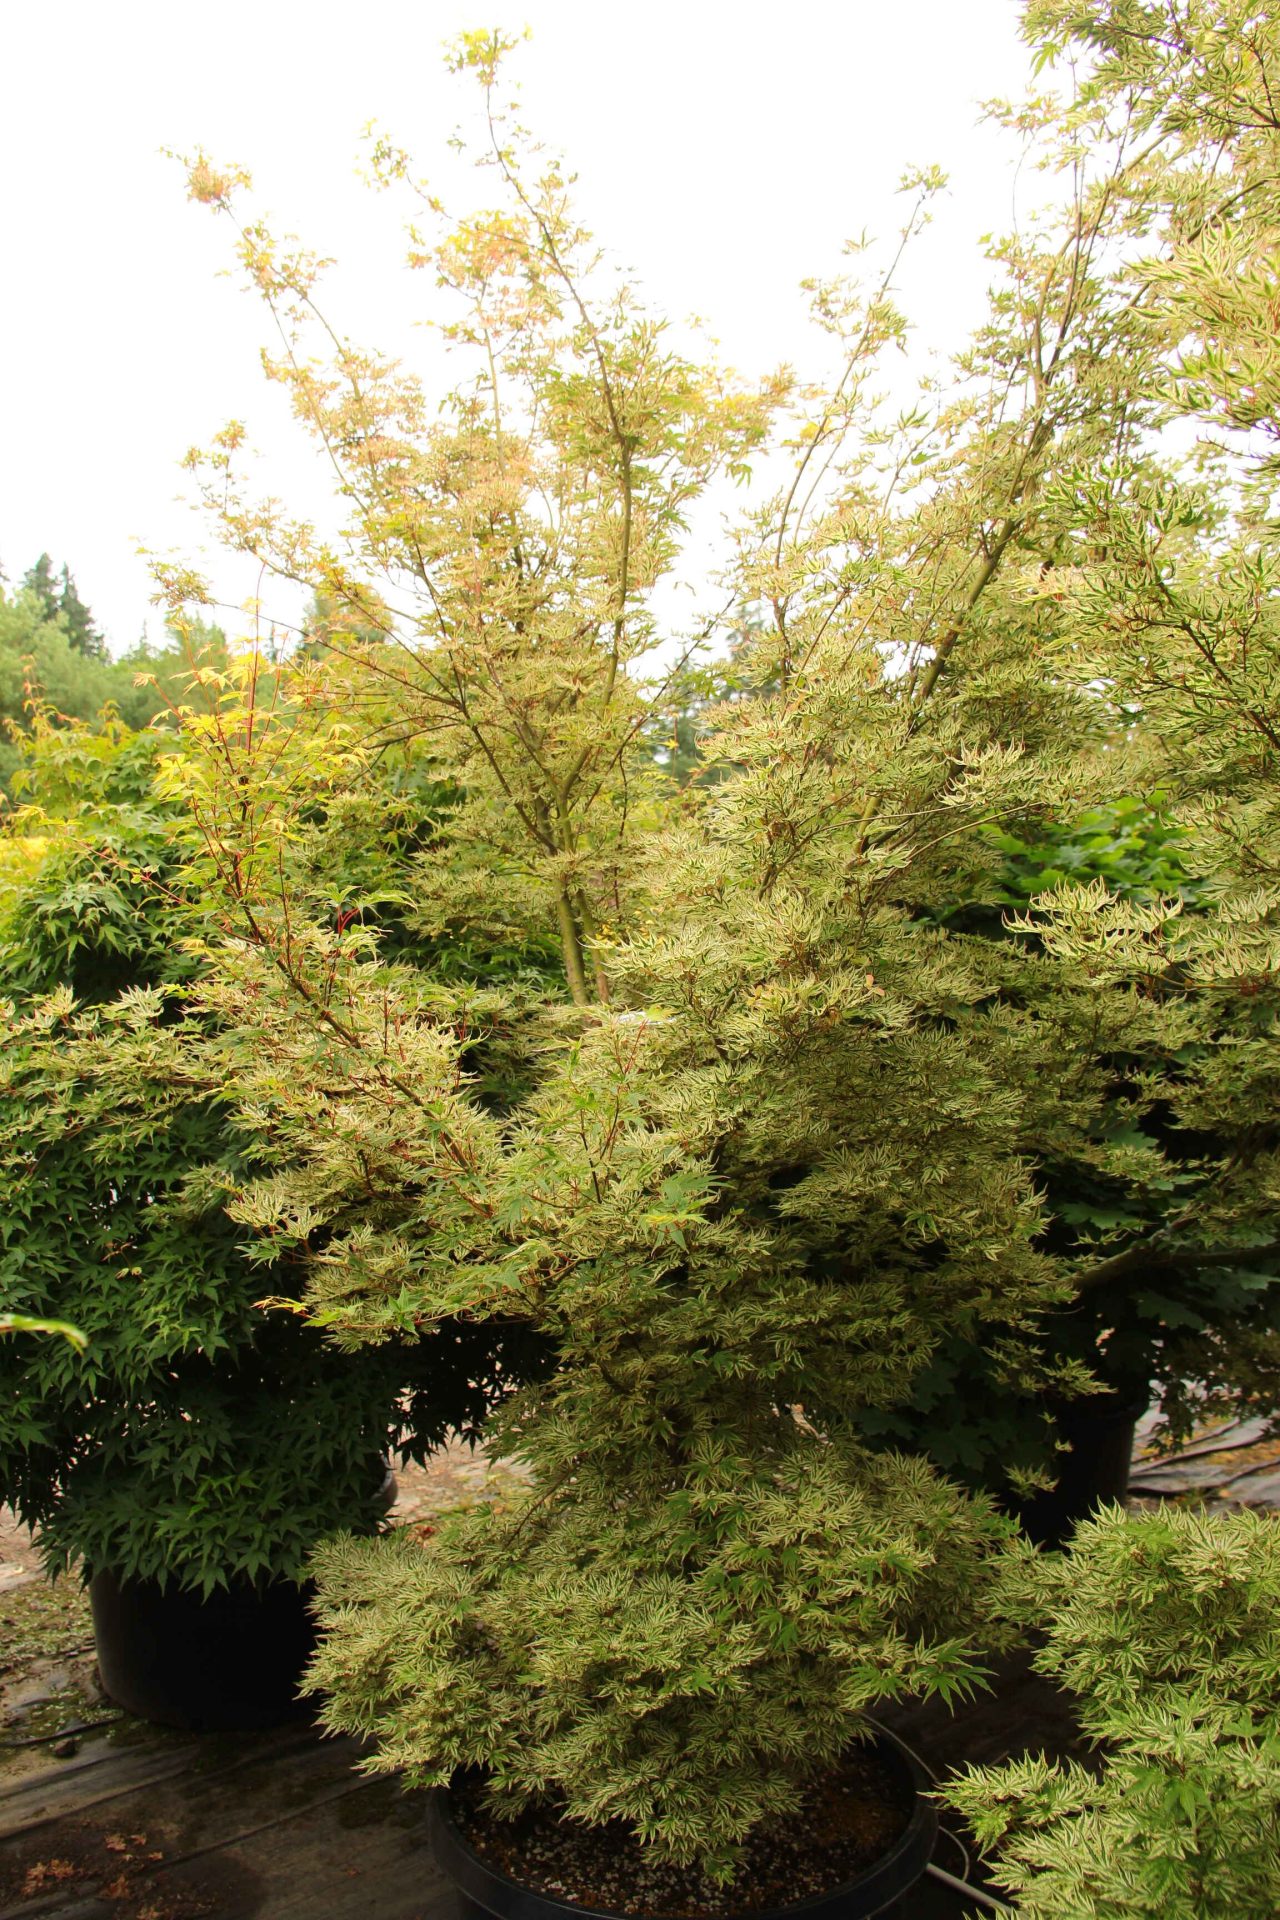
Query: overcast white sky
[[724, 150]]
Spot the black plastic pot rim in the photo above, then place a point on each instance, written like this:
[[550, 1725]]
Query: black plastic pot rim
[[882, 1883]]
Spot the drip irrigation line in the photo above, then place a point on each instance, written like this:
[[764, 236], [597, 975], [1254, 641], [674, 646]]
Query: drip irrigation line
[[960, 1846], [919, 1758], [342, 1792], [964, 1885], [969, 1892]]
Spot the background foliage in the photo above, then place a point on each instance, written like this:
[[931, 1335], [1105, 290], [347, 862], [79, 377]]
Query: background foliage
[[196, 1436]]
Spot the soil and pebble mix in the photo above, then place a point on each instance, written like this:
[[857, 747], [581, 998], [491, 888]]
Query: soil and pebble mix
[[847, 1820]]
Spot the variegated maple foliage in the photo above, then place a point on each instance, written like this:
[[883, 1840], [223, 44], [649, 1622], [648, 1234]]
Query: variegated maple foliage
[[504, 544], [1164, 1630], [780, 1140]]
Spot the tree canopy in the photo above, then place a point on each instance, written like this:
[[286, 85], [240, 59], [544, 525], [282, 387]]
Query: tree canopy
[[943, 1012]]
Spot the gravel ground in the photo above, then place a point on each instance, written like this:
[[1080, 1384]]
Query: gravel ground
[[19, 1561], [456, 1476]]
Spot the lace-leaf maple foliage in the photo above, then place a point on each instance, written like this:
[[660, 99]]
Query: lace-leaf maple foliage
[[1175, 601], [778, 1145], [1164, 1628], [501, 546]]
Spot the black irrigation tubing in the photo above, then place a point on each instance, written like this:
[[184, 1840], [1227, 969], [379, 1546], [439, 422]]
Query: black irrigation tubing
[[1216, 1433], [1157, 1468], [1165, 1461], [969, 1891], [343, 1792], [960, 1846], [1169, 1461]]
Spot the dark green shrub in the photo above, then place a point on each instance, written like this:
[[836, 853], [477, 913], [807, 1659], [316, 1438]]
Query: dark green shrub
[[197, 1434]]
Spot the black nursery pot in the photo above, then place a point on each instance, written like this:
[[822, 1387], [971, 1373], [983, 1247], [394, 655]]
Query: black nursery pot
[[486, 1893], [230, 1661], [227, 1662], [1099, 1433]]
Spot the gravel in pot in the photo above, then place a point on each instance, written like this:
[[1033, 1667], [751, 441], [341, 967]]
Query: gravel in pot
[[860, 1836]]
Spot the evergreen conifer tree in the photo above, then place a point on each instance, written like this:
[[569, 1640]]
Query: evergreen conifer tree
[[58, 600], [40, 583], [81, 631]]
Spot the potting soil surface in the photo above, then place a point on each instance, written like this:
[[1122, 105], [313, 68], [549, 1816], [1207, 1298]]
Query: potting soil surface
[[105, 1818], [847, 1820]]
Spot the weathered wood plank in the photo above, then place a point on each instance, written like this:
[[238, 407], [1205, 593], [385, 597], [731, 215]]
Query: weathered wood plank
[[361, 1854], [91, 1778], [104, 1771], [280, 1826]]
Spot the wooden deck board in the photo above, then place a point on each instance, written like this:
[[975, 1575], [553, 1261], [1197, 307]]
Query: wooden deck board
[[283, 1826], [278, 1825]]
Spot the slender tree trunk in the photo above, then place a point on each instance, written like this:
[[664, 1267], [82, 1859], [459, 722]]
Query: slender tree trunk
[[571, 947], [586, 921]]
